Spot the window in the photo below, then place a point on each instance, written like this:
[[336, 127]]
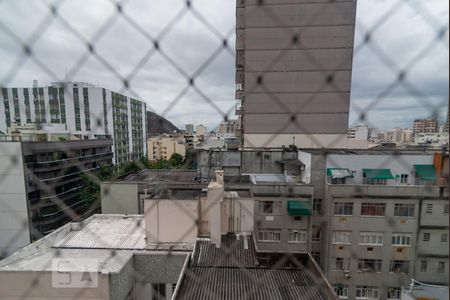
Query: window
[[269, 236], [159, 291], [401, 239], [341, 290], [429, 209], [426, 236], [399, 266], [341, 264], [444, 237], [366, 292], [423, 265], [317, 206], [375, 181], [298, 236], [404, 210], [342, 237], [369, 265], [269, 207], [403, 178], [316, 256], [373, 209], [441, 267], [394, 293], [371, 238], [338, 180], [343, 208], [446, 209], [316, 234]]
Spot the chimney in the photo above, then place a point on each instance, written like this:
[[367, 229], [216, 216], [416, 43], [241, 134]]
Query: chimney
[[215, 198], [219, 177]]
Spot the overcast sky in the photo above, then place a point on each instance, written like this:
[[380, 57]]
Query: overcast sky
[[408, 30]]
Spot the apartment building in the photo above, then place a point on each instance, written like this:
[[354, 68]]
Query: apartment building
[[185, 234], [368, 217], [365, 217], [398, 135], [388, 223], [87, 111], [162, 147], [293, 72], [103, 257], [359, 132], [437, 139], [201, 130], [428, 125], [230, 127], [40, 186]]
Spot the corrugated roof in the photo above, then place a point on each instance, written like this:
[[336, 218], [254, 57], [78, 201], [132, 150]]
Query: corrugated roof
[[110, 232], [233, 252], [248, 283], [233, 272]]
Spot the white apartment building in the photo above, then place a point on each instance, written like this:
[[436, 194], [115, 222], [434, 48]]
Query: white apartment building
[[201, 130], [433, 139], [87, 111], [230, 128], [359, 132]]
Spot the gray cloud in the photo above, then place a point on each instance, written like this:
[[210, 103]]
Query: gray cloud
[[189, 43]]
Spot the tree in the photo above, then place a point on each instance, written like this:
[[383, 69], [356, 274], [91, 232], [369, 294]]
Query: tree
[[176, 160]]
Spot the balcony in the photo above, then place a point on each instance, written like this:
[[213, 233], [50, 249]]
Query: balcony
[[67, 162], [239, 94], [239, 110]]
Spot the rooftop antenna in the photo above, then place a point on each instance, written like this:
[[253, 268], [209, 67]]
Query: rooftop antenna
[[67, 75]]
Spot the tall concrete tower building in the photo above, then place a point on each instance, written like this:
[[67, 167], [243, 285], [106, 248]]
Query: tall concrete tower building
[[293, 71]]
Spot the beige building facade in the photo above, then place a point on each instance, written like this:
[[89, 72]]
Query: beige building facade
[[163, 147]]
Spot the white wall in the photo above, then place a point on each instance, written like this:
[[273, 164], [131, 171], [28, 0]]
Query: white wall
[[171, 221], [14, 227], [119, 198], [19, 285], [305, 158]]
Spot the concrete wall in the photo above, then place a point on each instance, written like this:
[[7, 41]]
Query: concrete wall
[[282, 221], [246, 162], [14, 224], [38, 286], [295, 75], [387, 225], [121, 284], [171, 221], [119, 198], [151, 268]]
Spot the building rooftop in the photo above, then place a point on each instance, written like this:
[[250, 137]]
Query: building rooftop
[[237, 271], [95, 238], [149, 175], [107, 232]]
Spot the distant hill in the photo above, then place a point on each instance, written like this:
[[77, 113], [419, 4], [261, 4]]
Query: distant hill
[[158, 125]]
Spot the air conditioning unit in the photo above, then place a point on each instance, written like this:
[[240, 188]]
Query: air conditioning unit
[[347, 274]]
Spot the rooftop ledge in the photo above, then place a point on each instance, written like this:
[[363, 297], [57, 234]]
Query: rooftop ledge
[[386, 190]]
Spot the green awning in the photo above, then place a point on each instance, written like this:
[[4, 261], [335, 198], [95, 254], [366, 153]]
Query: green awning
[[426, 172], [378, 173], [299, 208], [339, 173]]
